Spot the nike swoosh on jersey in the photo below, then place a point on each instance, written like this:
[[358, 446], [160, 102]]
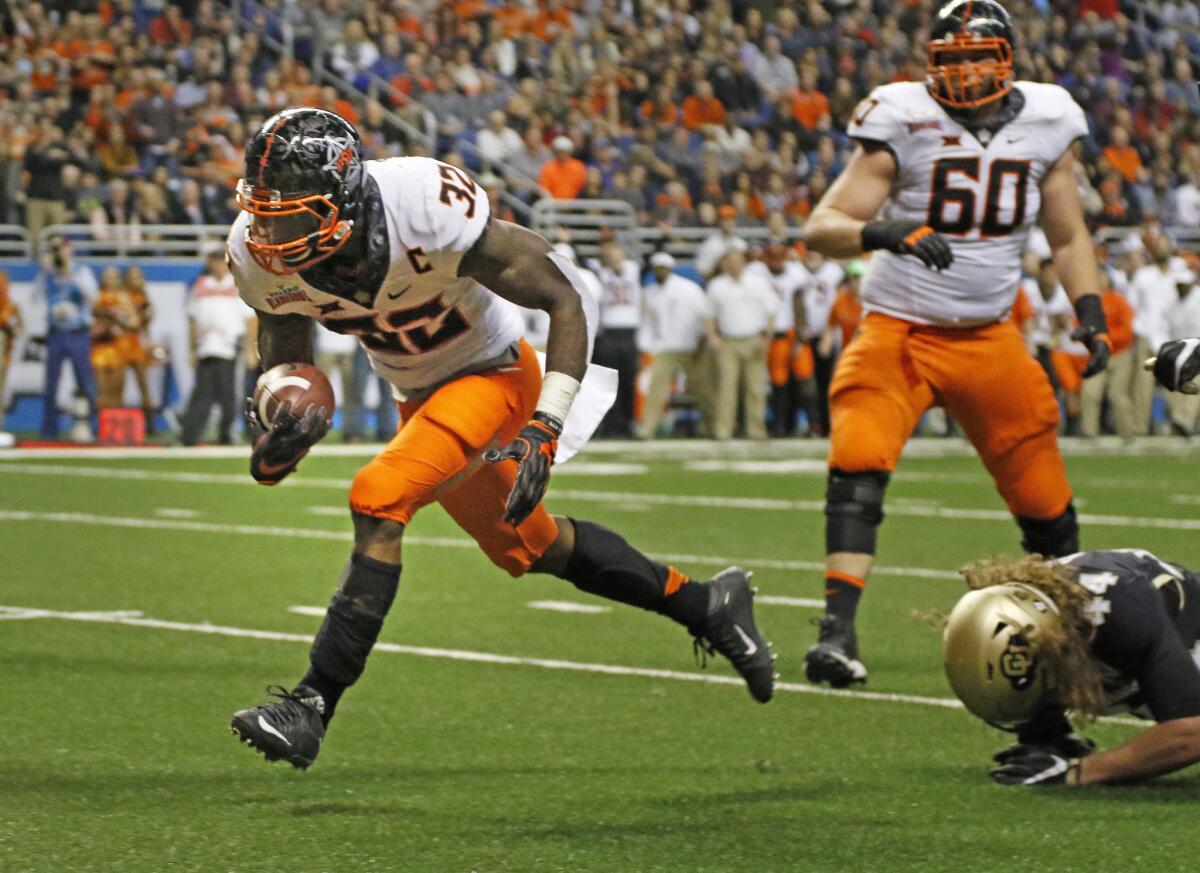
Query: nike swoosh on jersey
[[398, 294]]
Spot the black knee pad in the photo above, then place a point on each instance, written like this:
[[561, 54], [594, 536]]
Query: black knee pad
[[1052, 537], [854, 510], [354, 619]]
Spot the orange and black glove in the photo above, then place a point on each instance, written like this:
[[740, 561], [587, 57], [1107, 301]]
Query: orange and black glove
[[908, 238], [533, 450], [1092, 332]]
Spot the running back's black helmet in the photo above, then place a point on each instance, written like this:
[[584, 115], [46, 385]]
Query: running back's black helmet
[[302, 162], [970, 54]]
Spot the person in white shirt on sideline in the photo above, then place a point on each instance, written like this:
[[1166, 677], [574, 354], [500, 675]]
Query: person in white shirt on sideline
[[677, 313], [744, 308], [1151, 292], [1182, 322], [717, 243], [616, 343], [335, 354], [789, 359], [218, 320], [827, 278]]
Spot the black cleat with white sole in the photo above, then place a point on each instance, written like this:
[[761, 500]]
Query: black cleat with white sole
[[834, 657], [289, 730], [729, 629]]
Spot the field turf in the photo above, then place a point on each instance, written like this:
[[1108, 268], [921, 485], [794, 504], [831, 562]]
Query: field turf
[[143, 599]]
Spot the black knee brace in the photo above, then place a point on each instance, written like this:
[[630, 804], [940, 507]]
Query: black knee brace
[[1052, 537], [854, 510], [354, 618]]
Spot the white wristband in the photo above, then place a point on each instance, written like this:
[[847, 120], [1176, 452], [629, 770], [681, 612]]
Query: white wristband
[[558, 393]]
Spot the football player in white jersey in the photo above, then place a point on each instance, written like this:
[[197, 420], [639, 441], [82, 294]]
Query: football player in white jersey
[[946, 182], [404, 255]]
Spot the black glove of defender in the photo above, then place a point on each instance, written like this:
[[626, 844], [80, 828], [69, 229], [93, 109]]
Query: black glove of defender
[[1177, 366], [1092, 332], [908, 238]]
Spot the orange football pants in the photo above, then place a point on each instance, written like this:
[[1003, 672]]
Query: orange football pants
[[984, 377], [1069, 369], [436, 455], [784, 364]]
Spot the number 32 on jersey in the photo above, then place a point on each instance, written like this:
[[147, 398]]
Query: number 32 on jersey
[[962, 197]]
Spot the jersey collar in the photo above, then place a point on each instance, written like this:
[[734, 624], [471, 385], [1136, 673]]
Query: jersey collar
[[986, 131]]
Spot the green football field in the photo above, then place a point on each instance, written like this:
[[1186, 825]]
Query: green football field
[[513, 725]]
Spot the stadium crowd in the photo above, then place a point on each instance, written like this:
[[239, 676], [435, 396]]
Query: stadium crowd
[[123, 114]]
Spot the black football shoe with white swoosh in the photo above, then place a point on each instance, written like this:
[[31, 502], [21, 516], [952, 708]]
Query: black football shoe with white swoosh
[[729, 629], [290, 729], [834, 656]]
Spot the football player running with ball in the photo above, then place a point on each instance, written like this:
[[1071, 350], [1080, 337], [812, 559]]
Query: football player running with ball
[[405, 255], [966, 163], [1096, 632]]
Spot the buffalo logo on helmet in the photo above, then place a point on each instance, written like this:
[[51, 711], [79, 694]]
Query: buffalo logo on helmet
[[1017, 663]]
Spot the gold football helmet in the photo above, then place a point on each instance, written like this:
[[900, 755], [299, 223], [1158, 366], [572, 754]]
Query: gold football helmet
[[990, 652]]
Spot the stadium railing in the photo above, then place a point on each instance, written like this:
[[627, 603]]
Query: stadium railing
[[15, 243], [121, 241], [586, 222]]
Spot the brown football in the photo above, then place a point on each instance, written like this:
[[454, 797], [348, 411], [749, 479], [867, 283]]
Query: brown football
[[301, 384]]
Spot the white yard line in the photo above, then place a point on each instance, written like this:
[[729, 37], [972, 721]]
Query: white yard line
[[81, 518], [568, 606], [620, 498], [773, 600], [129, 619]]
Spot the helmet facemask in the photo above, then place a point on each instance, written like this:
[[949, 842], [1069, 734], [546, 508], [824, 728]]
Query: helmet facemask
[[965, 71], [290, 233]]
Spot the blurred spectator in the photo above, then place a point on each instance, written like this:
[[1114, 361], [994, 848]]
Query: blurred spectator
[[10, 326], [563, 176], [616, 343], [1183, 322], [743, 314], [702, 108], [847, 311], [218, 322], [69, 291], [1123, 157], [1151, 293], [774, 71], [1114, 383], [677, 313], [354, 52], [335, 354], [789, 358], [119, 316], [44, 161], [716, 244], [498, 142]]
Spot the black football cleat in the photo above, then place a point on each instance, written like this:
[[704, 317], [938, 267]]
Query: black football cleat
[[289, 730], [729, 629], [834, 657]]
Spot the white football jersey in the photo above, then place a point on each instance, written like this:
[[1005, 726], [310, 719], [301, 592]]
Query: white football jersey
[[793, 279], [426, 323], [982, 196]]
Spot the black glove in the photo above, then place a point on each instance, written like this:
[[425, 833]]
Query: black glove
[[1177, 366], [1092, 332], [908, 238], [1037, 767], [533, 450], [1066, 746], [279, 449]]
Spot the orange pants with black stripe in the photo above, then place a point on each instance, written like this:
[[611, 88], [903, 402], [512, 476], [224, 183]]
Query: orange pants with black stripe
[[436, 456], [894, 370]]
